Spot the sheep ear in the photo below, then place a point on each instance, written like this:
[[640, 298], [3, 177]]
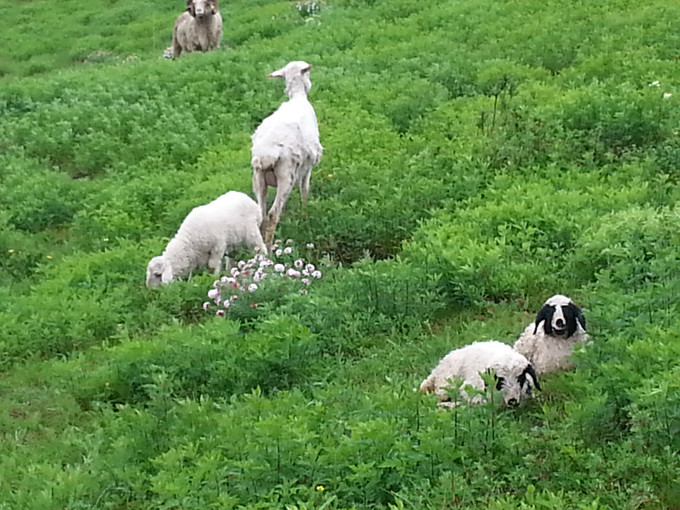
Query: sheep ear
[[276, 74], [545, 314], [580, 317], [306, 69], [530, 370], [166, 277]]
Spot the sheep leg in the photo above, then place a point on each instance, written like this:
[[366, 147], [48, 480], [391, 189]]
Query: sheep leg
[[255, 242], [304, 187], [285, 186], [260, 190], [215, 261]]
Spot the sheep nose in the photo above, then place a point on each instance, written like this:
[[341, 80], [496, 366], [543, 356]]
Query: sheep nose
[[513, 402], [559, 323]]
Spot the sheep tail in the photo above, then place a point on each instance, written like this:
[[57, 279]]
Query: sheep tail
[[263, 163]]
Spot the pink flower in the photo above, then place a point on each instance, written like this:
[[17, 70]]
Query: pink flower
[[299, 263], [303, 292], [289, 241], [220, 313], [316, 274], [206, 305], [310, 268], [278, 252], [310, 245], [241, 264], [305, 281], [213, 293], [252, 287], [234, 272], [279, 268], [293, 273], [253, 305], [288, 250]]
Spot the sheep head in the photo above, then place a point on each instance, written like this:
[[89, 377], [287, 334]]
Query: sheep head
[[201, 8], [517, 383], [158, 271], [561, 317], [296, 76]]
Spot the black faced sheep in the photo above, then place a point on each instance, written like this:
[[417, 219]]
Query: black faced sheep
[[515, 376], [549, 341], [286, 147], [199, 28], [205, 235]]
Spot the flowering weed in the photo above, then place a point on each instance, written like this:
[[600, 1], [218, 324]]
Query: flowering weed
[[263, 280]]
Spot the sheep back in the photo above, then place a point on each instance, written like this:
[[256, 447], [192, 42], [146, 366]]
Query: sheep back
[[228, 221], [290, 133]]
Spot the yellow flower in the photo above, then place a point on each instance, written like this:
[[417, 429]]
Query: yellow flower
[[330, 176], [10, 251], [320, 488], [106, 239], [49, 257]]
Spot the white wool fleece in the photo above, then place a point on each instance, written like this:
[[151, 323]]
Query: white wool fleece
[[515, 375], [206, 234], [549, 341]]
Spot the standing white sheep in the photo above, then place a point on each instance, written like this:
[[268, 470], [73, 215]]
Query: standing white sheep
[[549, 341], [199, 28], [206, 234], [285, 147], [514, 374]]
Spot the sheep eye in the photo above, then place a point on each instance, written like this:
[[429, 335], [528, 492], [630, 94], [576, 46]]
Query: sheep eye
[[499, 384], [158, 275]]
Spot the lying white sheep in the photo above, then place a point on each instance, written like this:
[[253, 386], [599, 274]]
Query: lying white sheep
[[549, 341], [514, 374], [206, 234], [285, 147], [199, 28]]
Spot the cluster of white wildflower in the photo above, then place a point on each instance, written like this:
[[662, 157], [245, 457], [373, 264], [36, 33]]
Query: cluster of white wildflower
[[656, 83], [246, 277], [308, 8]]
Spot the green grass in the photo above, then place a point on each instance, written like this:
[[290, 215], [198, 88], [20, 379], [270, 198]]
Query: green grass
[[479, 157]]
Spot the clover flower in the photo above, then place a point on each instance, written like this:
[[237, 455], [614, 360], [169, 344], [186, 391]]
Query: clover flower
[[244, 279]]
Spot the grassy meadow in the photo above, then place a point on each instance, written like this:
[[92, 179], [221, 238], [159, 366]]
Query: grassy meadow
[[480, 156]]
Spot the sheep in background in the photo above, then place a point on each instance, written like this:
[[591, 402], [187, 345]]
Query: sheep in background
[[514, 374], [286, 147], [199, 28], [206, 234], [549, 341]]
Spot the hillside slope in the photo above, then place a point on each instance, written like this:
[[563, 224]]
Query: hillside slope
[[480, 156]]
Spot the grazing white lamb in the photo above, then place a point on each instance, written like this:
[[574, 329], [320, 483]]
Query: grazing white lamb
[[514, 374], [199, 28], [206, 234], [285, 147], [549, 341]]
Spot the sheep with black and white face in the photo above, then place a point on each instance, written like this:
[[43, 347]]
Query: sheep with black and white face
[[549, 341], [515, 377]]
